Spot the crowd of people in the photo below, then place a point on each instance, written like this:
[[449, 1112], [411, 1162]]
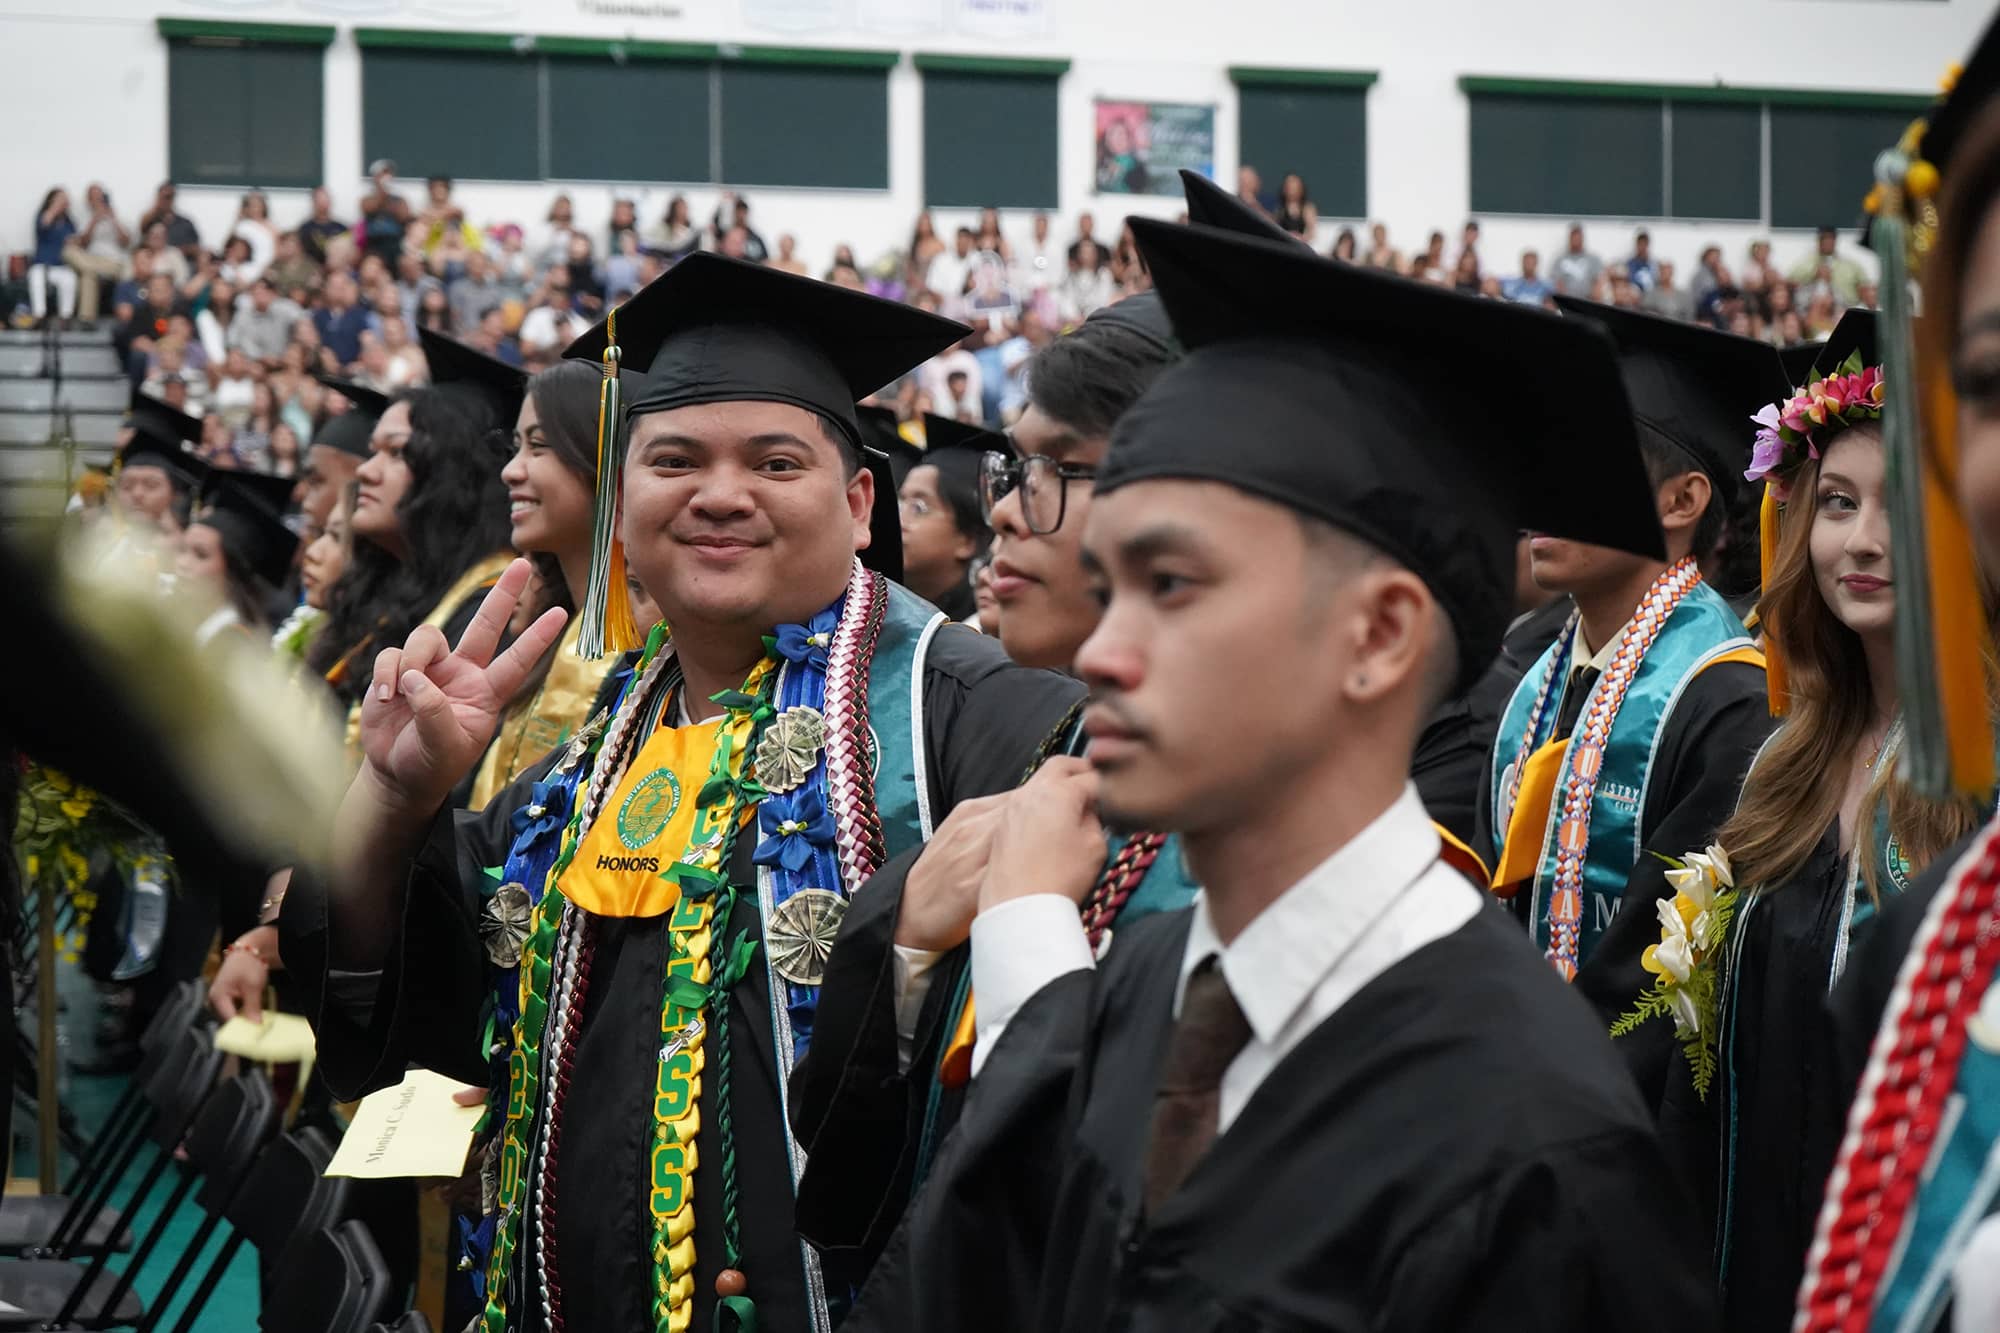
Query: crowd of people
[[1275, 838], [235, 331]]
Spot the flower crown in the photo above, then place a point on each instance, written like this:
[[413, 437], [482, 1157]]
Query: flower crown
[[1792, 431]]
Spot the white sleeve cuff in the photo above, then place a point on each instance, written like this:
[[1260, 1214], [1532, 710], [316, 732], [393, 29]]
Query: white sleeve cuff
[[1019, 947], [913, 983]]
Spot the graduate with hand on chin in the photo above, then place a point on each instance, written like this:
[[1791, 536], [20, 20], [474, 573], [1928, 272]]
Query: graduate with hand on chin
[[1338, 1091]]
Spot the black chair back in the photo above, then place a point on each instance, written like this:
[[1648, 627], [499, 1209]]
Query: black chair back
[[336, 1282]]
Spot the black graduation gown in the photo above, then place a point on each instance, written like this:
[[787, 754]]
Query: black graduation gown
[[1709, 741], [984, 717], [1776, 1110], [1449, 765], [1455, 1148], [959, 603]]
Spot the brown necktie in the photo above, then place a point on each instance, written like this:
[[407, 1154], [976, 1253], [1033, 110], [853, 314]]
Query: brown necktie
[[1211, 1032]]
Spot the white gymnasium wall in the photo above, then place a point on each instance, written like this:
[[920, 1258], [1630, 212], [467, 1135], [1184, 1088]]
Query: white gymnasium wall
[[84, 92]]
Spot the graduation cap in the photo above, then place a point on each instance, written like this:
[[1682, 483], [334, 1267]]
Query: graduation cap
[[958, 452], [1854, 333], [881, 432], [248, 510], [452, 362], [1798, 361], [1144, 316], [1209, 205], [1328, 388], [351, 430], [1693, 387], [162, 437], [718, 330]]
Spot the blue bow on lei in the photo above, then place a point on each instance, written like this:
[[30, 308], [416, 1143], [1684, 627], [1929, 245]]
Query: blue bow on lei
[[808, 644], [794, 823]]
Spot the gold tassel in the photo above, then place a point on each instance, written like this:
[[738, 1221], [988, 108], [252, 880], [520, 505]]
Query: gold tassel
[[1962, 639], [606, 609], [1776, 682]]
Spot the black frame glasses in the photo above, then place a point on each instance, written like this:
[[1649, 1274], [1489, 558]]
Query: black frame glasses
[[1042, 481]]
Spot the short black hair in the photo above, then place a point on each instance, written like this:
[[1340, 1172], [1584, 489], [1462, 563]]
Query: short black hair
[[1665, 461], [1088, 379]]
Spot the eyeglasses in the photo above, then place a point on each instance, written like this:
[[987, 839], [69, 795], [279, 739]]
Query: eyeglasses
[[1043, 483]]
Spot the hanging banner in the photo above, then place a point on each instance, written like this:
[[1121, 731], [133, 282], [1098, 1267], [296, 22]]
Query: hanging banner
[[1002, 18], [1142, 146]]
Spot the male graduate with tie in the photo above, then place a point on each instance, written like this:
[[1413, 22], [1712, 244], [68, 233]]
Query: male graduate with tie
[[1632, 733], [1337, 1092]]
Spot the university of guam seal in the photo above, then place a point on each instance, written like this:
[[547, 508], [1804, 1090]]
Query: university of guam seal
[[648, 808]]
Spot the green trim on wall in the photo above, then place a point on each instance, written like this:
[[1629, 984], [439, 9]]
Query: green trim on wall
[[823, 56], [282, 34], [610, 49], [1264, 77], [424, 39], [1020, 65], [1696, 92]]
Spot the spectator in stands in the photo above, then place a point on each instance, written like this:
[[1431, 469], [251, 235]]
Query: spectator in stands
[[213, 319], [251, 440], [253, 225], [127, 295], [1830, 271], [1127, 268], [54, 228], [1250, 189], [134, 342], [754, 248], [512, 263], [1822, 312], [586, 282], [1031, 334], [291, 271], [624, 221], [341, 320], [1787, 330], [1346, 246], [263, 323], [552, 324], [282, 458], [1779, 301], [1429, 266], [434, 311], [491, 337], [320, 228], [1868, 296], [950, 273], [1086, 230], [97, 253], [954, 383], [1468, 244], [1039, 265], [446, 231], [403, 362], [1086, 288], [622, 268], [171, 359], [990, 239], [383, 213], [1465, 277], [213, 448], [1381, 254], [238, 265], [180, 232], [552, 246], [1668, 298], [848, 276], [675, 235], [787, 259], [1760, 278], [1709, 275], [474, 293], [925, 248], [236, 387], [1296, 212], [1640, 268], [1576, 269], [165, 259], [1530, 288]]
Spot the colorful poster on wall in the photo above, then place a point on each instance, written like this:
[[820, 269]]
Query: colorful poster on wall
[[1142, 146], [1002, 18]]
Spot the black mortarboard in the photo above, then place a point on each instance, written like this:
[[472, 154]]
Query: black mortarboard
[[501, 385], [1333, 390], [718, 330], [351, 430], [160, 438], [1142, 315], [248, 510], [958, 452], [1798, 362], [1209, 205], [1692, 387], [1971, 93], [1854, 333], [881, 432]]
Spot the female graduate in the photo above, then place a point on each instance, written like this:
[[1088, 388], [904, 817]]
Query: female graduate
[[1907, 1237], [1823, 832], [239, 546]]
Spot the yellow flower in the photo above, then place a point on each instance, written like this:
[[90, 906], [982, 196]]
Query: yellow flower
[[74, 866], [59, 781], [76, 808]]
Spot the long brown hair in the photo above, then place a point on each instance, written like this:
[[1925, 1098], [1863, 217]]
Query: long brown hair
[[1794, 792]]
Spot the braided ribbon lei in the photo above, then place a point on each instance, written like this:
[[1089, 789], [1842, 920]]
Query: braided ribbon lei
[[1892, 1129]]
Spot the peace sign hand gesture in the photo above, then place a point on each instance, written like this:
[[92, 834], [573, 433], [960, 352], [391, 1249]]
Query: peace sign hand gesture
[[430, 710]]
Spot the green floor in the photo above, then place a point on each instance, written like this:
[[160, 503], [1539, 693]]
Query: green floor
[[235, 1303]]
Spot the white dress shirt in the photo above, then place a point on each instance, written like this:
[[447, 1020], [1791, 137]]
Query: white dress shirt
[[1371, 904]]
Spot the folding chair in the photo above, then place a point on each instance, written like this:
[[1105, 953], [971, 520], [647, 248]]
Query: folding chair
[[336, 1282]]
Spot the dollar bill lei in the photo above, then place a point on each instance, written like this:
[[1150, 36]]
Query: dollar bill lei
[[701, 970], [1687, 962]]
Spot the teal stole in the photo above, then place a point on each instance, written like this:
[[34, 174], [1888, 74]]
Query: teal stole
[[1701, 629]]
